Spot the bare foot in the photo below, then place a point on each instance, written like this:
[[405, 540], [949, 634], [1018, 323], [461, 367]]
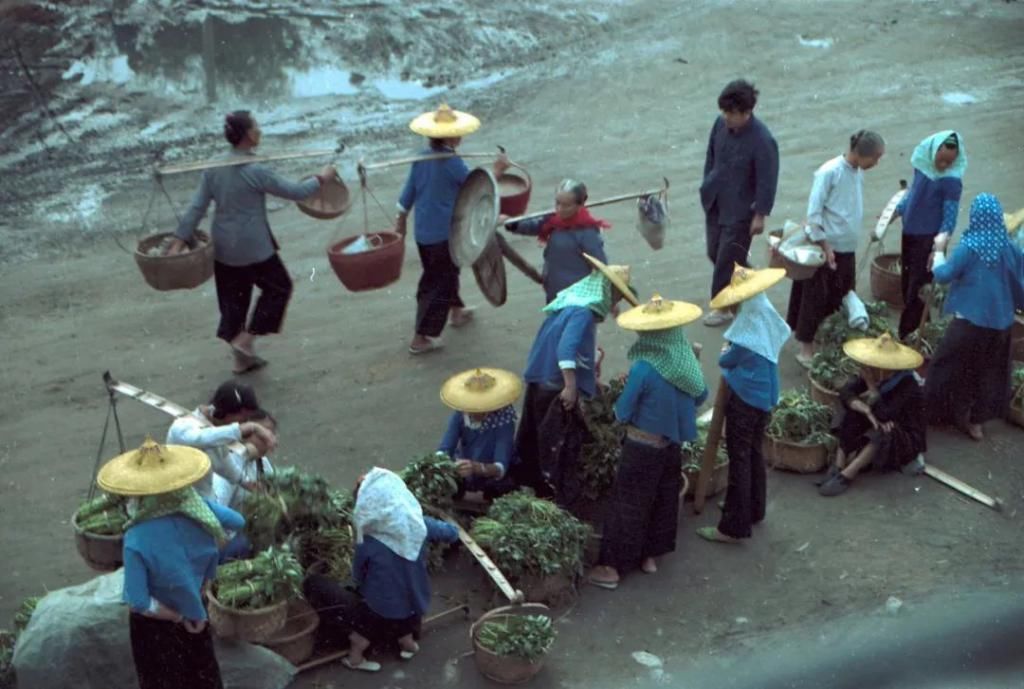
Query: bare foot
[[460, 316], [975, 432], [649, 566], [244, 342]]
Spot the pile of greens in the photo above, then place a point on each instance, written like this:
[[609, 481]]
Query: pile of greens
[[927, 338], [9, 639], [800, 420], [294, 503], [432, 479], [599, 459], [529, 637], [832, 369], [104, 515], [835, 330], [527, 535], [271, 577], [334, 547], [693, 452], [1017, 385]]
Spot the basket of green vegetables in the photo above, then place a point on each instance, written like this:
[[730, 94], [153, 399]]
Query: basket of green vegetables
[[799, 430], [1016, 414], [249, 598], [510, 643], [99, 525]]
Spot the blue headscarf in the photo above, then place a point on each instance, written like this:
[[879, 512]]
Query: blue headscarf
[[923, 158], [986, 233]]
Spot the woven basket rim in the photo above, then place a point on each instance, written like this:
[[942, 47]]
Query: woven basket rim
[[274, 607]]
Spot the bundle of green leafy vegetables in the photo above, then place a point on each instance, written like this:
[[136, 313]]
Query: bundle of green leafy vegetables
[[835, 330], [599, 459], [104, 515], [800, 420], [529, 637], [1017, 383], [693, 452], [432, 479], [274, 575], [926, 339], [832, 369]]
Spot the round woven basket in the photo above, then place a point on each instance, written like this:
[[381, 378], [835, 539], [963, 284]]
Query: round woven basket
[[803, 459], [794, 271], [295, 640], [373, 269], [505, 669], [719, 481], [181, 271], [822, 395], [330, 201], [101, 553], [255, 626], [885, 284]]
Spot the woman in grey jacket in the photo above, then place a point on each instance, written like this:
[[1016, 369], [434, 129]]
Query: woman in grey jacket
[[244, 247]]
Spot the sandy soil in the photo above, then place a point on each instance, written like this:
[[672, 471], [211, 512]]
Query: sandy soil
[[348, 396]]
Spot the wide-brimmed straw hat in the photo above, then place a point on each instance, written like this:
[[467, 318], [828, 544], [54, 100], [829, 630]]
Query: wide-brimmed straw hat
[[745, 283], [659, 314], [153, 469], [617, 275], [444, 123], [481, 390], [883, 352]]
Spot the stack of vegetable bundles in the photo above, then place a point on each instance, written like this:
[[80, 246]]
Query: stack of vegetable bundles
[[271, 577], [104, 515]]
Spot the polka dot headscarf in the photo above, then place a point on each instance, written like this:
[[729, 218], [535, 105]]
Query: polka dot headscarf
[[986, 234]]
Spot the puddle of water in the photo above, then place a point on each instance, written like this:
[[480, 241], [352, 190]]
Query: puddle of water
[[397, 89], [958, 98], [321, 81]]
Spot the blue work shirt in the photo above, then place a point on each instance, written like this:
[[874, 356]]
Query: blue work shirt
[[392, 586], [566, 340], [432, 188], [485, 445], [169, 558], [564, 264], [987, 297], [741, 172], [654, 405], [751, 376], [931, 205]]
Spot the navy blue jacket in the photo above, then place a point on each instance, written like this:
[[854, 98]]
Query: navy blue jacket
[[741, 172]]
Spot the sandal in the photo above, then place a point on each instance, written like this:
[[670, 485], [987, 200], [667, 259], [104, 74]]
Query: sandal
[[408, 655], [804, 361], [432, 347], [247, 361], [364, 666], [711, 533], [465, 318], [606, 584]]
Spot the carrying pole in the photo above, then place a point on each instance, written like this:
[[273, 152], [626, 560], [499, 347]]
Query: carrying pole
[[711, 446]]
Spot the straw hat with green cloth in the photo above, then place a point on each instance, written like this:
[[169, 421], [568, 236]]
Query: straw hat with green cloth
[[745, 283], [883, 352]]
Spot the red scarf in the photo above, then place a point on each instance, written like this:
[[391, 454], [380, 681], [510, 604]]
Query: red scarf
[[581, 220]]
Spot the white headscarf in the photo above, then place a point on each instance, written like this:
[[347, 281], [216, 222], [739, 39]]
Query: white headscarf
[[759, 328], [386, 510]]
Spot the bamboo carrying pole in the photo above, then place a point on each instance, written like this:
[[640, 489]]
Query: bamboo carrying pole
[[516, 259], [594, 204], [968, 490], [513, 595], [711, 446], [420, 158], [212, 164]]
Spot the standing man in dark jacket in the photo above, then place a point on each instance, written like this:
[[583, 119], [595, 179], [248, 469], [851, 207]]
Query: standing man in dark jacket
[[741, 172]]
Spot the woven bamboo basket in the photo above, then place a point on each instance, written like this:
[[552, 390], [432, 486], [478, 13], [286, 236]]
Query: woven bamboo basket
[[255, 626], [101, 553], [822, 395], [295, 640], [505, 669], [886, 284], [803, 459], [181, 271]]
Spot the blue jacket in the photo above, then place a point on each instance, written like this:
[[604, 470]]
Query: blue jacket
[[931, 206], [654, 405], [563, 254], [741, 172], [392, 586], [751, 376], [566, 340], [987, 297], [490, 446], [169, 558], [432, 187]]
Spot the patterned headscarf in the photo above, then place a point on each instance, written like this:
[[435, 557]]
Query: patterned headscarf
[[986, 234], [923, 158], [671, 355], [593, 292], [186, 502], [388, 511], [759, 328], [495, 419]]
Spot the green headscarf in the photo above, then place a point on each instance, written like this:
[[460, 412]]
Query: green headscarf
[[923, 158], [593, 292], [185, 501], [671, 355]]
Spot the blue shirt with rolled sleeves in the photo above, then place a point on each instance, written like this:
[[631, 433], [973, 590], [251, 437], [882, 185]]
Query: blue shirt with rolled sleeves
[[486, 445], [654, 405], [931, 205], [393, 587], [987, 297], [564, 264], [432, 188], [566, 340], [751, 376], [169, 558]]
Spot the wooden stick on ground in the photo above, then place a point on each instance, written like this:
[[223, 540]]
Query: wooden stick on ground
[[958, 485], [711, 446], [513, 595]]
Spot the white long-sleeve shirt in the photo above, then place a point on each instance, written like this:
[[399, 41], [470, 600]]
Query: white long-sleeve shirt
[[835, 209], [193, 430]]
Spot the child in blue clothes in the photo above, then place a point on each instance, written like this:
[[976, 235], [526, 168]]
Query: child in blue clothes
[[659, 408], [749, 365], [481, 431]]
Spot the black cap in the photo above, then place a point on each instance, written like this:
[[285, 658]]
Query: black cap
[[232, 398]]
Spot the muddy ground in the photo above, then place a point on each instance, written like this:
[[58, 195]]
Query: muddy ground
[[348, 396]]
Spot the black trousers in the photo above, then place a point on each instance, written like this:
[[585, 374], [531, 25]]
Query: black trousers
[[746, 496], [914, 275], [644, 512], [969, 376], [727, 245], [342, 610], [813, 300], [527, 471], [234, 295], [167, 656], [438, 290]]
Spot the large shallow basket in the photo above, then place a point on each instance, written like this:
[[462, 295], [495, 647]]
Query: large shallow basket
[[515, 191], [254, 626], [803, 459], [822, 395], [295, 640], [505, 669], [330, 201], [101, 553], [886, 284], [182, 271], [373, 269]]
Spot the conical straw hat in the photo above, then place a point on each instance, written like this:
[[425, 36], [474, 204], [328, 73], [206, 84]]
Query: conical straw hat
[[618, 276], [153, 469], [481, 390], [444, 123], [745, 283], [659, 314], [883, 352]]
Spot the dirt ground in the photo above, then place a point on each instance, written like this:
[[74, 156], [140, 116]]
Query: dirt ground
[[348, 396]]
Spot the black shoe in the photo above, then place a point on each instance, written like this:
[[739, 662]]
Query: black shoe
[[837, 485], [829, 475]]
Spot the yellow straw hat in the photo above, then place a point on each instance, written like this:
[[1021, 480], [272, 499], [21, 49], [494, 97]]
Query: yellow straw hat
[[153, 469], [444, 123], [481, 390], [883, 352], [1013, 220], [659, 314], [618, 276], [745, 283]]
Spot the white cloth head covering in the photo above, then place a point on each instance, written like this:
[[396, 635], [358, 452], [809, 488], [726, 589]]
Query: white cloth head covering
[[923, 158], [759, 328], [386, 510]]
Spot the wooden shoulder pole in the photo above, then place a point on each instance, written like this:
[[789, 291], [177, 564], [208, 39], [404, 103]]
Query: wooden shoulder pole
[[711, 446]]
